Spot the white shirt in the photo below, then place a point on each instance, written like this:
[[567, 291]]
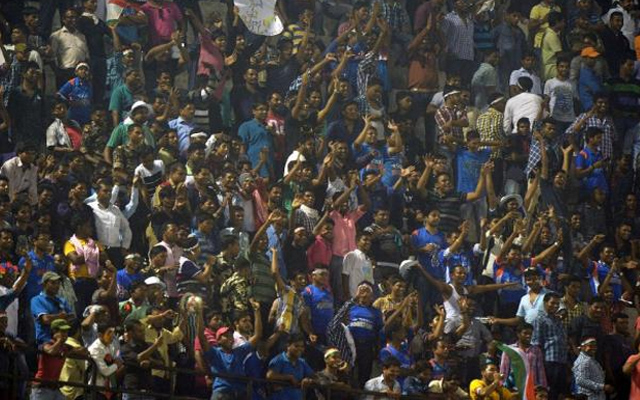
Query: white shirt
[[173, 255], [57, 134], [112, 227], [357, 266], [524, 105], [12, 313], [21, 179], [561, 99], [378, 385], [68, 48], [519, 73], [98, 353]]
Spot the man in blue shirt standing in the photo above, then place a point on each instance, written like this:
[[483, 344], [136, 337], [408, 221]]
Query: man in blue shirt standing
[[590, 164], [289, 366], [48, 306], [226, 359], [256, 137], [42, 262], [319, 299]]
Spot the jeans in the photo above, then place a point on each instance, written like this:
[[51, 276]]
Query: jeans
[[556, 379], [41, 393], [365, 355]]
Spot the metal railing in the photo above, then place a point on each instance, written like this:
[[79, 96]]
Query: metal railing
[[91, 391]]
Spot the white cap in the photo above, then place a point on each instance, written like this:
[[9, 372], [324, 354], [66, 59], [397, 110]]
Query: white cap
[[154, 280], [141, 103], [406, 266]]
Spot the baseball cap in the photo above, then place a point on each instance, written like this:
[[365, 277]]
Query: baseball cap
[[221, 331], [49, 276], [589, 52], [154, 280], [60, 325], [82, 64]]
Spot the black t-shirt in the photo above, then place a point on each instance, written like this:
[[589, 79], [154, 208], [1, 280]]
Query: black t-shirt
[[294, 129], [135, 376], [281, 76]]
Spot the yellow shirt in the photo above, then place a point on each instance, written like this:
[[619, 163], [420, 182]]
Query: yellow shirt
[[498, 394], [169, 337], [551, 45], [78, 271], [386, 305], [540, 11], [73, 370]]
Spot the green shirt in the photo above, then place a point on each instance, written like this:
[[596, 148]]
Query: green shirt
[[121, 101], [264, 285], [120, 136]]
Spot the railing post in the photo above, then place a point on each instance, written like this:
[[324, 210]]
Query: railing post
[[14, 380], [250, 390], [94, 378]]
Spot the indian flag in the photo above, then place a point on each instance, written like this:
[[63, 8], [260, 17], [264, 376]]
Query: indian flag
[[520, 369]]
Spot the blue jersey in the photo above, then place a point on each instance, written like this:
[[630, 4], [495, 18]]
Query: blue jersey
[[421, 238], [599, 271], [321, 306], [300, 370], [228, 363], [40, 266], [256, 367], [469, 165], [504, 273], [365, 323]]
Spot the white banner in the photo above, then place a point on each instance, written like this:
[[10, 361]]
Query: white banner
[[260, 17]]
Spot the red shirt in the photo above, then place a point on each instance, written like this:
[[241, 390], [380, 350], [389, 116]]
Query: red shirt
[[49, 366]]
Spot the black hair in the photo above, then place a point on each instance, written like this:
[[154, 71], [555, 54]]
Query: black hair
[[595, 299], [524, 326], [592, 132], [295, 338], [131, 324], [155, 250], [391, 362], [554, 18], [551, 295], [103, 327]]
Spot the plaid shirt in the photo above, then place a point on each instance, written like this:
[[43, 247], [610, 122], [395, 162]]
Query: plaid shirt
[[605, 124], [366, 69], [534, 150], [549, 334], [489, 125], [395, 14], [446, 114], [589, 377], [458, 34]]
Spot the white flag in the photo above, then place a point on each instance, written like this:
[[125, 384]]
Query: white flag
[[260, 17]]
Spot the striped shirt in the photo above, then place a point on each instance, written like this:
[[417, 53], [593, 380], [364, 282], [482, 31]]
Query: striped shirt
[[264, 285], [625, 97], [449, 205]]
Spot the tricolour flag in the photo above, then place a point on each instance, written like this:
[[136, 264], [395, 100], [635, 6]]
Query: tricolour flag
[[521, 371]]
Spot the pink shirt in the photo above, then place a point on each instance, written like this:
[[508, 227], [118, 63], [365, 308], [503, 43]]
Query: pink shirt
[[163, 21], [344, 231], [319, 252]]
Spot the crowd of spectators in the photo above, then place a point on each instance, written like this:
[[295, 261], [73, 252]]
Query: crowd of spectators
[[411, 197]]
